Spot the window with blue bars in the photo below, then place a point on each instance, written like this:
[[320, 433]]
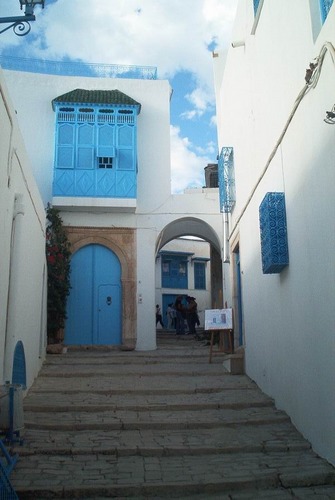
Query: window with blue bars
[[273, 232], [174, 272], [226, 180], [95, 154], [199, 275], [325, 6]]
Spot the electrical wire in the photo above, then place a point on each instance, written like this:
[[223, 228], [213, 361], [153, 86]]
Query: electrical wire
[[312, 78]]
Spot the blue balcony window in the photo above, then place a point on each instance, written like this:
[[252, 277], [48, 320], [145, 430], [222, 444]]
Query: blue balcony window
[[226, 179], [273, 232], [325, 6], [95, 146]]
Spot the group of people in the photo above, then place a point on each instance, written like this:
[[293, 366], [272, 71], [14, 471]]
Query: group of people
[[178, 312]]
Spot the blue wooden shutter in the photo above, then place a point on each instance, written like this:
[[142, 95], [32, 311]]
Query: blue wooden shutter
[[65, 145], [199, 276]]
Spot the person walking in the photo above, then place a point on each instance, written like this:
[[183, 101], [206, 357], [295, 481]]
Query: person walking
[[180, 316], [191, 314], [170, 316], [159, 316]]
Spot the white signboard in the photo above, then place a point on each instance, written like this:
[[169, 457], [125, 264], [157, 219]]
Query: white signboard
[[219, 319]]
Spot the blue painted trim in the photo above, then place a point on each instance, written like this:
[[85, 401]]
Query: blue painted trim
[[175, 253], [325, 6]]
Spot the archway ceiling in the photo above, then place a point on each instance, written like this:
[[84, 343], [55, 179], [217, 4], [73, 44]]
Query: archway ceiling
[[188, 226]]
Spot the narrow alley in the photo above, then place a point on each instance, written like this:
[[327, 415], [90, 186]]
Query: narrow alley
[[166, 423]]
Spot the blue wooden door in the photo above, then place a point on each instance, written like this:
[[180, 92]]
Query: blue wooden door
[[94, 303], [239, 296], [109, 309]]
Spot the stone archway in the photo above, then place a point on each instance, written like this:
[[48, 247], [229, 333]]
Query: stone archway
[[188, 226], [122, 241], [192, 226]]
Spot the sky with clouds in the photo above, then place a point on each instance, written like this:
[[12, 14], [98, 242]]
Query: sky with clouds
[[176, 36]]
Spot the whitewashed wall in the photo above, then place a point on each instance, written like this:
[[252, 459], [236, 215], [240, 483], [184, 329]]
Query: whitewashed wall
[[289, 318], [22, 250], [33, 93]]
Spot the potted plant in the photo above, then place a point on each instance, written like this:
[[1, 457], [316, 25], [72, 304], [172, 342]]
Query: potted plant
[[58, 262]]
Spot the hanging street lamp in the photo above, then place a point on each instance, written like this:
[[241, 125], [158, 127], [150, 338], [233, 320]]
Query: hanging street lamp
[[20, 24]]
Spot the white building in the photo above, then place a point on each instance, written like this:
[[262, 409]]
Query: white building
[[99, 150], [272, 133], [22, 250]]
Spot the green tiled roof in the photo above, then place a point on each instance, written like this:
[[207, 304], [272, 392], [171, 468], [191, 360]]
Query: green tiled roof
[[82, 96]]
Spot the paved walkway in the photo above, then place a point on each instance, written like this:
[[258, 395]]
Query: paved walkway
[[102, 424]]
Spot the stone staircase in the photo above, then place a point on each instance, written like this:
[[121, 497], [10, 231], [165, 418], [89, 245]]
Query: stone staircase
[[103, 423]]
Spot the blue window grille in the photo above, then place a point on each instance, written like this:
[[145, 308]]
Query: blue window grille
[[273, 232], [175, 270], [95, 153], [226, 179], [325, 6], [256, 4], [200, 275]]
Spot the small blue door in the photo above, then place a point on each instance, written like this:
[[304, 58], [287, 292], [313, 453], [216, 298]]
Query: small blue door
[[94, 303], [239, 295]]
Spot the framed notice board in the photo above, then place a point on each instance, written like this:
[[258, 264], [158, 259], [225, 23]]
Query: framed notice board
[[218, 319]]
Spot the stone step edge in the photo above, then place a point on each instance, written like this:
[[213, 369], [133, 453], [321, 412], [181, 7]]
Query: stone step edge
[[141, 392], [269, 481], [89, 408], [152, 425], [139, 359], [166, 451], [150, 374]]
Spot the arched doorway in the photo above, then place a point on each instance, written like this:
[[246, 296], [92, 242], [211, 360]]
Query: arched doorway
[[94, 303], [182, 268]]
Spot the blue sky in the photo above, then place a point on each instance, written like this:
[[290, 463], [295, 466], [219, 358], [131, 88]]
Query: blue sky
[[176, 36]]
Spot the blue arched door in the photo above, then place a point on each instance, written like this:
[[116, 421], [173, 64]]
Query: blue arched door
[[94, 303]]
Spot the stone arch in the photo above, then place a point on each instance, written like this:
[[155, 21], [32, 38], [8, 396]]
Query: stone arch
[[98, 240], [192, 226], [186, 226]]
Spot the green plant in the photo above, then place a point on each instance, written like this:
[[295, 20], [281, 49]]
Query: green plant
[[58, 261]]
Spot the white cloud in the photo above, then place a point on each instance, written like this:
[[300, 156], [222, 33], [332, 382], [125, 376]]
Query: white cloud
[[172, 35], [169, 34], [187, 169], [201, 100]]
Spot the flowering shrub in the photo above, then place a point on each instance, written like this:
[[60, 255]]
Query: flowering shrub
[[58, 261]]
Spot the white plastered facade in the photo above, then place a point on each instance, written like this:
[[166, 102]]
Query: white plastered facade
[[22, 250], [288, 318], [155, 208]]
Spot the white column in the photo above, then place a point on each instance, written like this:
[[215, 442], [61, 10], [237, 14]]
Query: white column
[[146, 322]]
